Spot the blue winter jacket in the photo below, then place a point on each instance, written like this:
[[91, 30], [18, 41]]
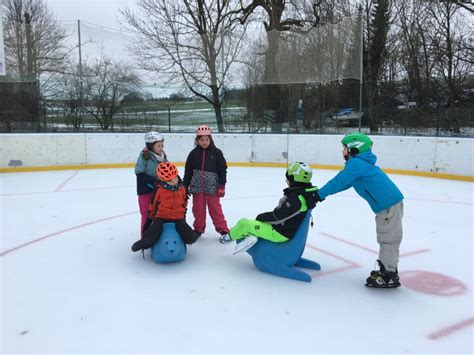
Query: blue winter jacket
[[145, 170], [369, 181]]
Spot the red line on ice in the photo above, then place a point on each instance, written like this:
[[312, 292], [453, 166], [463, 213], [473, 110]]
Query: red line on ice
[[416, 199], [333, 255], [368, 249], [351, 264], [350, 243], [451, 329], [324, 273], [440, 201], [67, 180], [68, 190], [410, 253], [3, 253]]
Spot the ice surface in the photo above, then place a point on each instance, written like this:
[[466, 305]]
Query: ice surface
[[70, 284]]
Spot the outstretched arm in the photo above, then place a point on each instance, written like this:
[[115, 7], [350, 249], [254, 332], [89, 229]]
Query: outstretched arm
[[342, 181]]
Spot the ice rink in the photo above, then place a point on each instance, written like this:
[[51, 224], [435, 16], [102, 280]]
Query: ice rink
[[70, 284]]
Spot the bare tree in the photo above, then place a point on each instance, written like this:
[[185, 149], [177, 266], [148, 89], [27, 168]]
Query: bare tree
[[106, 85], [416, 48], [67, 93], [451, 38], [452, 43], [378, 21], [277, 17], [192, 41], [34, 40]]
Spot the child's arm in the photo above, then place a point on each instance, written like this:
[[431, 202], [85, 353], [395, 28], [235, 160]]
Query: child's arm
[[288, 208], [154, 203], [188, 170], [343, 180], [221, 168], [143, 178], [151, 209]]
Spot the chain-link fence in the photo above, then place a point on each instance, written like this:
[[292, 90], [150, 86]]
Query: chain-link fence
[[299, 108], [314, 88]]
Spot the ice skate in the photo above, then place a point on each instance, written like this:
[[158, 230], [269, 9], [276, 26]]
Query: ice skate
[[245, 244], [382, 278]]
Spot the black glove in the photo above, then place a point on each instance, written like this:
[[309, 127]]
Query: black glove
[[188, 194], [312, 199], [138, 245], [317, 197]]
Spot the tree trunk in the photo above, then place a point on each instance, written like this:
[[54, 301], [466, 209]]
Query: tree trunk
[[377, 38], [29, 46], [216, 103]]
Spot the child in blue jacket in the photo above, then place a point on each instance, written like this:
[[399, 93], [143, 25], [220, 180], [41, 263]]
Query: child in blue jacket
[[145, 170], [383, 196]]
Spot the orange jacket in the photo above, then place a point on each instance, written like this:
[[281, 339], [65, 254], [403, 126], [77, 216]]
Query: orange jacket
[[168, 202]]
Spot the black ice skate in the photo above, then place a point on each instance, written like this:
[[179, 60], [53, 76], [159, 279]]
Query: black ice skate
[[383, 278]]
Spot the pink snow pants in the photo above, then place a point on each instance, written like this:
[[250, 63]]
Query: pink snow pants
[[143, 203], [200, 200]]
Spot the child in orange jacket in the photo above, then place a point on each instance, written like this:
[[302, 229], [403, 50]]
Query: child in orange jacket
[[168, 204]]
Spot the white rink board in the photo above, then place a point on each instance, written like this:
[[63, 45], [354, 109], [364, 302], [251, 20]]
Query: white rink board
[[42, 149], [270, 149], [112, 148], [237, 147], [417, 154]]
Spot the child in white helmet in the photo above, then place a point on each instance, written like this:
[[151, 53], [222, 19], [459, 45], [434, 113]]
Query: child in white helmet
[[145, 170]]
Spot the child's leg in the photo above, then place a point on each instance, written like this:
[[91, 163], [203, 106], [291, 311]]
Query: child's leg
[[185, 231], [246, 227], [217, 216], [389, 235], [153, 233], [199, 212], [143, 203]]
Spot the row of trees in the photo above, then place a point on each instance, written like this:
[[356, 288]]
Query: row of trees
[[414, 50], [42, 66]]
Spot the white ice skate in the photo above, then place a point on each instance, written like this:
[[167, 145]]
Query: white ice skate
[[245, 244]]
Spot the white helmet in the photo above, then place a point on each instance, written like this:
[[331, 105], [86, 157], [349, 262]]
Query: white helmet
[[152, 137]]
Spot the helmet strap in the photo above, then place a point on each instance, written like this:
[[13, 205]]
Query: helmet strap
[[353, 152]]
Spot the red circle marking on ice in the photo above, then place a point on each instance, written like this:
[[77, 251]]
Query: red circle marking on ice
[[432, 283]]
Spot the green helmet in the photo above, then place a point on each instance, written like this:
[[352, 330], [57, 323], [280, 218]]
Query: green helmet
[[300, 172], [357, 143]]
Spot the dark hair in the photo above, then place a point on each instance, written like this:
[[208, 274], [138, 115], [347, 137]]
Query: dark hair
[[150, 145], [212, 144]]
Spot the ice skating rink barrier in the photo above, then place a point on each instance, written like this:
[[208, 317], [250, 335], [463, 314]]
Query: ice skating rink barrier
[[423, 156]]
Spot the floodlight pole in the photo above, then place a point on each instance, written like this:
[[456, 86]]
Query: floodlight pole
[[361, 77]]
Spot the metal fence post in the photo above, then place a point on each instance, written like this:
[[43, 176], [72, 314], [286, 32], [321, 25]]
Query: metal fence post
[[169, 120]]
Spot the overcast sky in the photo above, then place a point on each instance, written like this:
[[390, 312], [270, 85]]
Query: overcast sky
[[101, 12]]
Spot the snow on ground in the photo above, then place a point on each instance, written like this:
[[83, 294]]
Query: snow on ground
[[70, 284]]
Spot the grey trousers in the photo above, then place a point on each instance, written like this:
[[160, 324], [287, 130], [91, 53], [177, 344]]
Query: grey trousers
[[389, 235]]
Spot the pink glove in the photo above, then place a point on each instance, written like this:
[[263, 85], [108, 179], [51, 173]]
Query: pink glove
[[221, 191]]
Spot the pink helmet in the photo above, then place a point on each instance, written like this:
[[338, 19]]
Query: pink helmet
[[203, 130]]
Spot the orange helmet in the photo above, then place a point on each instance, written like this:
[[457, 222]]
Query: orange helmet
[[166, 171], [203, 130]]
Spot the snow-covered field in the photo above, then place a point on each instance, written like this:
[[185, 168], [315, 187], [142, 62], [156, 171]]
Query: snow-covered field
[[70, 284]]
